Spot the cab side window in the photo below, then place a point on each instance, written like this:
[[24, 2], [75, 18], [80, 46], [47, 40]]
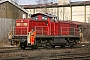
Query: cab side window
[[53, 19], [44, 17], [17, 24], [25, 24], [35, 18]]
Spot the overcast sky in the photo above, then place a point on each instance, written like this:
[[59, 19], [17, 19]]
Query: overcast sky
[[26, 2]]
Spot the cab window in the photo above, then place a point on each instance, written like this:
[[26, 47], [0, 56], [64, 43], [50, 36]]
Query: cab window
[[53, 19], [44, 17], [25, 24], [17, 24], [35, 18]]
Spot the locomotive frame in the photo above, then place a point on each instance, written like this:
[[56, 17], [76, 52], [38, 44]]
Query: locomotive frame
[[50, 33]]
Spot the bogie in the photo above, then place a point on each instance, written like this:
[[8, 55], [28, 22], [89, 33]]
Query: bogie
[[45, 43]]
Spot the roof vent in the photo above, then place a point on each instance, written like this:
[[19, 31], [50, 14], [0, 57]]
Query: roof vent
[[24, 16]]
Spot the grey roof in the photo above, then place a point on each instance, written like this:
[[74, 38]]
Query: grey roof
[[12, 2], [49, 15], [79, 3]]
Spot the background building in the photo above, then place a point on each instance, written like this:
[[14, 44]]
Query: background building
[[74, 11], [63, 2], [9, 12]]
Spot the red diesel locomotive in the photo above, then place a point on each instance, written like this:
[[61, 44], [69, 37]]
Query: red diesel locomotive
[[50, 32]]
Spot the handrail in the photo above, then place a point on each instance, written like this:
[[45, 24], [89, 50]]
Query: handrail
[[19, 30], [68, 31], [42, 30]]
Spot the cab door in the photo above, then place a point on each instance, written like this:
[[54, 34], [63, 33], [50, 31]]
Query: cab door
[[52, 28]]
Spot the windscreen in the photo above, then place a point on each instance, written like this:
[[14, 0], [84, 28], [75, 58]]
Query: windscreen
[[21, 24]]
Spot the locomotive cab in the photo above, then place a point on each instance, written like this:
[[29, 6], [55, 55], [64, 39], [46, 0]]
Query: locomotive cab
[[45, 23]]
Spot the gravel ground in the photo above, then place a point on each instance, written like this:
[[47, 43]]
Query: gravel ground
[[39, 54]]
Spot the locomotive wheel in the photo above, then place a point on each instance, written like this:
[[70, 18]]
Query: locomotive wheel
[[71, 43], [67, 42], [34, 47], [53, 46], [49, 45], [22, 46], [44, 43], [75, 42], [62, 46], [11, 43], [18, 43]]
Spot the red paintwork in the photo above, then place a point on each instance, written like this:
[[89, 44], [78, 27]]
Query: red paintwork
[[37, 25], [46, 27], [63, 28], [22, 30]]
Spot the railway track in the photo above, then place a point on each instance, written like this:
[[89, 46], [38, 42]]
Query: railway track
[[43, 54], [71, 56], [7, 47]]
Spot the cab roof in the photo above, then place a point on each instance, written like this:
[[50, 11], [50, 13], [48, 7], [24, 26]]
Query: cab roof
[[49, 15]]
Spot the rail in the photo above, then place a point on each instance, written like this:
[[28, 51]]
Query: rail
[[42, 30], [69, 31], [19, 30], [71, 56]]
